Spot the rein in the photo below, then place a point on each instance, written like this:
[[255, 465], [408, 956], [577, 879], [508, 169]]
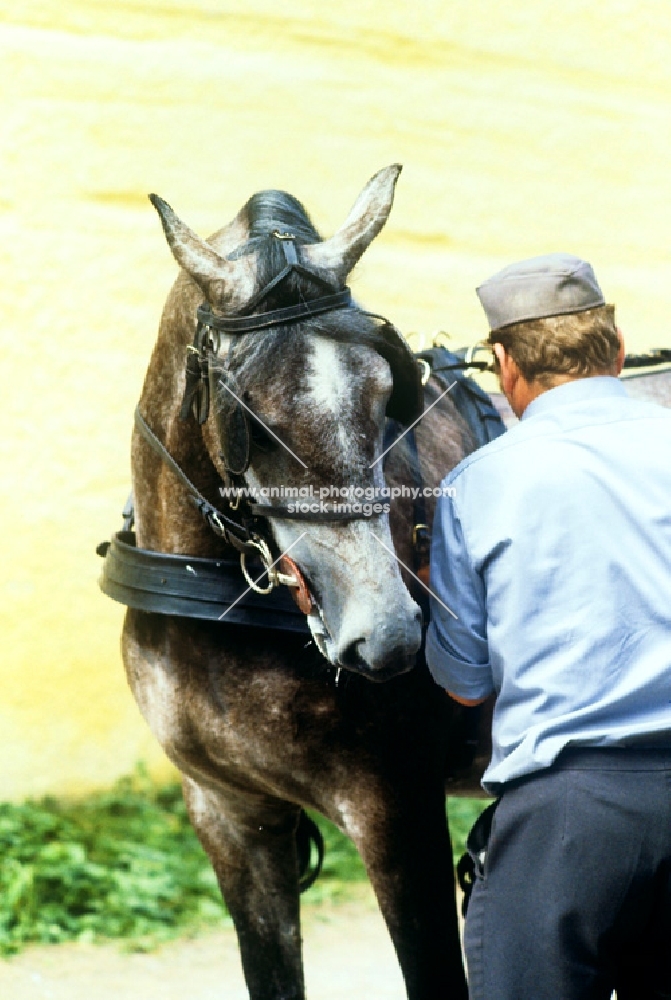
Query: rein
[[466, 359], [659, 356], [236, 534]]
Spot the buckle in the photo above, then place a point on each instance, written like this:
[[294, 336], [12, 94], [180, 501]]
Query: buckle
[[423, 531]]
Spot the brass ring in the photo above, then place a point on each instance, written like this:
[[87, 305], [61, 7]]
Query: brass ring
[[267, 560], [426, 370]]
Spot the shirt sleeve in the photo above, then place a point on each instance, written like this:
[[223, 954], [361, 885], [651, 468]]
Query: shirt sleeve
[[456, 642]]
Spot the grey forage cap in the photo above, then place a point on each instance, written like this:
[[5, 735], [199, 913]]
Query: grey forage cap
[[551, 285]]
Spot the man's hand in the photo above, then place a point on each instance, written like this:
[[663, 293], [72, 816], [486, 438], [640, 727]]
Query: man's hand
[[468, 702]]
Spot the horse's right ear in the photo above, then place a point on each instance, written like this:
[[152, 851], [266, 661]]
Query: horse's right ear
[[220, 279]]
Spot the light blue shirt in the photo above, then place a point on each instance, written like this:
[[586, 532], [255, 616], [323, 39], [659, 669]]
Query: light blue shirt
[[555, 556]]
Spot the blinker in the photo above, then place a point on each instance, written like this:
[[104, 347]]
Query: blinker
[[407, 395], [233, 426]]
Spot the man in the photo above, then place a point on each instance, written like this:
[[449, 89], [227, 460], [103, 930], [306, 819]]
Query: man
[[554, 555]]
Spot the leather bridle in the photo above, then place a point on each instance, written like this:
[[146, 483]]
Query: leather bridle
[[239, 526]]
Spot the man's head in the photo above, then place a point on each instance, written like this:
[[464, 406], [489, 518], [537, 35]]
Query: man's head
[[549, 324]]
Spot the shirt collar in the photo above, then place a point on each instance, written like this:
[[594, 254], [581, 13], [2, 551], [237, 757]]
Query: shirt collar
[[578, 391]]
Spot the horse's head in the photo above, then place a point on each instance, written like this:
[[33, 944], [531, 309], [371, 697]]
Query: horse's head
[[298, 409]]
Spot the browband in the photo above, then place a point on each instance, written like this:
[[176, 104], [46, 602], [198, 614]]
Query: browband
[[276, 317]]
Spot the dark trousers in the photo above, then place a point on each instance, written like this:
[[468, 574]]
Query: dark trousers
[[572, 898]]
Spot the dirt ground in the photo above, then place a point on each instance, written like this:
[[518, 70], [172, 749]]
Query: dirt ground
[[347, 953]]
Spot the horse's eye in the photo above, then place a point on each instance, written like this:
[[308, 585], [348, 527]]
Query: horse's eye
[[260, 437]]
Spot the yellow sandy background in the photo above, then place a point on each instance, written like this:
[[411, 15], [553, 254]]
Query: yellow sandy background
[[522, 127]]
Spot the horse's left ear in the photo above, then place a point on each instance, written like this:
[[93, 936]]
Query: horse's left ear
[[370, 212]]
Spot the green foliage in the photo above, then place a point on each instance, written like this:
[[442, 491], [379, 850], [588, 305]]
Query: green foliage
[[126, 864], [123, 863], [342, 864], [462, 814]]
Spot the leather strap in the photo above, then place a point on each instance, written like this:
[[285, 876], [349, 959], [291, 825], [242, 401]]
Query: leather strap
[[234, 532], [196, 399], [283, 513], [237, 534], [276, 317], [191, 587], [472, 402], [658, 356]]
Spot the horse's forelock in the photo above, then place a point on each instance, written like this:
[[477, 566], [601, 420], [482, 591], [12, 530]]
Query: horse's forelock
[[272, 211], [269, 210]]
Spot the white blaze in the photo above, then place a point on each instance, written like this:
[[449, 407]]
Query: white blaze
[[326, 379]]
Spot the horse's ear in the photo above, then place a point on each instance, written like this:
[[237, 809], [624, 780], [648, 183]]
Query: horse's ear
[[220, 279], [366, 219]]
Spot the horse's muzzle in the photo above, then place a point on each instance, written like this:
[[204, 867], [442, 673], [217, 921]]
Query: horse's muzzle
[[386, 652]]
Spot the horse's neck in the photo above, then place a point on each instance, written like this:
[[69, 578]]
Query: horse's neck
[[442, 440], [166, 519], [443, 437]]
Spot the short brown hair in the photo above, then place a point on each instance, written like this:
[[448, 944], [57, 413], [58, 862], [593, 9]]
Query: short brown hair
[[575, 344]]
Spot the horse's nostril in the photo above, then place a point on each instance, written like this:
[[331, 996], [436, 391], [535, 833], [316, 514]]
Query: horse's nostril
[[379, 660], [351, 655]]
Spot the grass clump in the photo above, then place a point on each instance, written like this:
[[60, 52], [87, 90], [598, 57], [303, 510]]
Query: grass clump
[[126, 863]]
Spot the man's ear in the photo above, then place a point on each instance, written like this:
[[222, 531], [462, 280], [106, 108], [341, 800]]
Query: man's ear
[[619, 361], [499, 352], [508, 371]]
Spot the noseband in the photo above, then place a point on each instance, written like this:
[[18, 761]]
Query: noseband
[[240, 525]]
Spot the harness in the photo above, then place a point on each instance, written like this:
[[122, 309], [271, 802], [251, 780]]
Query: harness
[[235, 420], [189, 587], [128, 575], [406, 397], [209, 588]]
